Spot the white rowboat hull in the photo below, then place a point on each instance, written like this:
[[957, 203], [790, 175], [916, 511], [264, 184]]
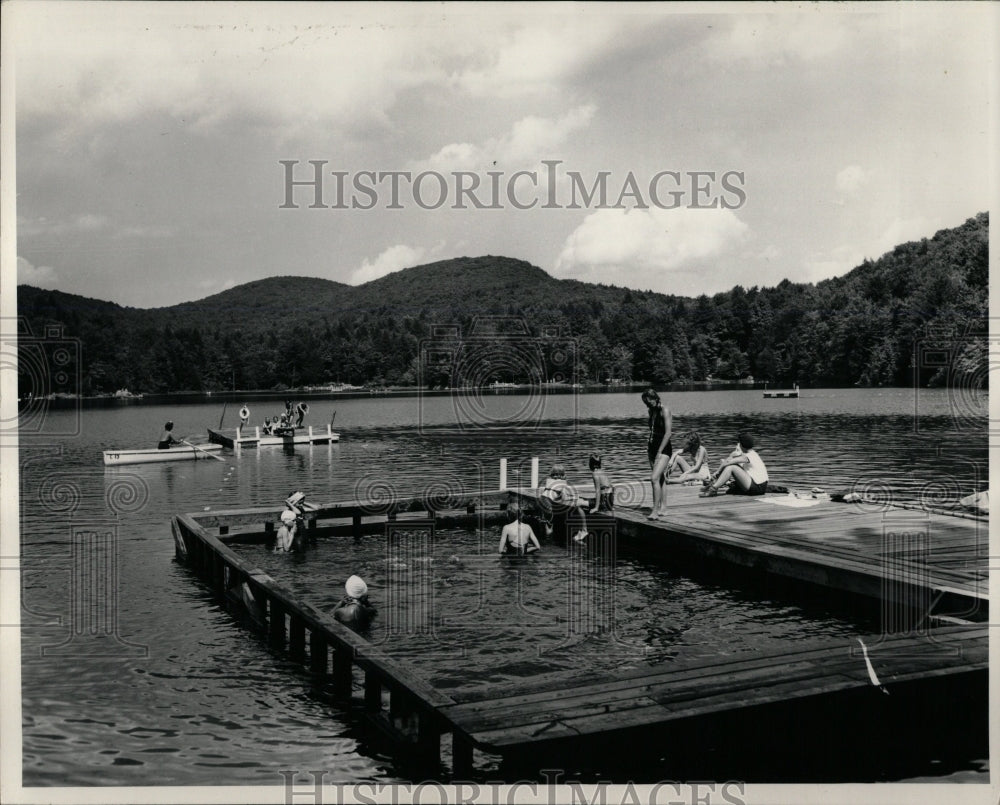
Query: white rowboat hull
[[154, 455]]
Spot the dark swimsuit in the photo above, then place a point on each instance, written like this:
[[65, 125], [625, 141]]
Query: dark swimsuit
[[657, 427]]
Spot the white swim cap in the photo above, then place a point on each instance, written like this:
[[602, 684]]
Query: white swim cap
[[287, 516], [356, 587]]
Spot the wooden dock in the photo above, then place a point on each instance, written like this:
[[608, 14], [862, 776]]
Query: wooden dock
[[289, 437], [904, 558], [562, 716]]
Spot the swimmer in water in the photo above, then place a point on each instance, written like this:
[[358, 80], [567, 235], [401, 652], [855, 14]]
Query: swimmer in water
[[517, 537]]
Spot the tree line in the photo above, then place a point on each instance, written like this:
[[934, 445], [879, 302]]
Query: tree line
[[916, 314]]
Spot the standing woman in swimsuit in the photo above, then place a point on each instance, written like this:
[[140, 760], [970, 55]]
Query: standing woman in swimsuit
[[658, 450]]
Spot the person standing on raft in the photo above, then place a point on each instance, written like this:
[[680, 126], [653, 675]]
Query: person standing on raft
[[659, 450], [354, 609], [167, 439]]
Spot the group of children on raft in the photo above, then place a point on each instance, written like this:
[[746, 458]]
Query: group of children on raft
[[742, 471]]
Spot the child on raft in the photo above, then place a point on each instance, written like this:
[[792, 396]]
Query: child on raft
[[604, 491], [558, 497]]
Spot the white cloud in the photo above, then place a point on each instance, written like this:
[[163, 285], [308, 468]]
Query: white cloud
[[850, 180], [86, 222], [650, 246], [39, 276], [529, 140], [842, 259], [392, 259]]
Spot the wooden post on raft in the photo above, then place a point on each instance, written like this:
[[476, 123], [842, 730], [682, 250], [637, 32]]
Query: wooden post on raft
[[534, 473], [503, 474], [310, 434]]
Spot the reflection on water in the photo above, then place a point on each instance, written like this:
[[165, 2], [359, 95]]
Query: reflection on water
[[207, 703]]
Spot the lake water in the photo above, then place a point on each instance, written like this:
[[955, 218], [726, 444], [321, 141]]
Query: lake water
[[186, 696]]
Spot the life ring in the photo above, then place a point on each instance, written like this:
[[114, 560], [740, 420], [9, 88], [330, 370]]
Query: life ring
[[302, 407], [244, 413]]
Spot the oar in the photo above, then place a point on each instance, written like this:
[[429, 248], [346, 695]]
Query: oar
[[223, 413], [333, 417], [210, 455]]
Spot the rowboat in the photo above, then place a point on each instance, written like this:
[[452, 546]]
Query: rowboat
[[152, 454]]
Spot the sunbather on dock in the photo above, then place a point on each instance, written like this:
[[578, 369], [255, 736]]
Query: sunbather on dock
[[695, 466], [744, 468]]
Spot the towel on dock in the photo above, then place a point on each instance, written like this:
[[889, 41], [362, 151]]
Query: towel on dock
[[791, 500]]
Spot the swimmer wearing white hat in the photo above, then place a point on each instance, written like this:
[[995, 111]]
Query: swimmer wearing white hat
[[354, 609], [286, 534]]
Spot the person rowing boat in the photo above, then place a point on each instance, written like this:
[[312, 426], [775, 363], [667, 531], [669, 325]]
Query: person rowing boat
[[167, 440]]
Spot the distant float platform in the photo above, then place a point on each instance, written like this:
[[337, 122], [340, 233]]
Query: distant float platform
[[238, 438]]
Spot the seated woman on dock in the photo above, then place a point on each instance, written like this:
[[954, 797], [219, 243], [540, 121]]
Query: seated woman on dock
[[604, 491], [354, 609], [266, 428], [695, 469], [559, 498], [167, 439], [744, 468], [517, 536]]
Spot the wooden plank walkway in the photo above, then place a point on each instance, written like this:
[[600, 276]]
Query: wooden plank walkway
[[570, 707], [894, 554]]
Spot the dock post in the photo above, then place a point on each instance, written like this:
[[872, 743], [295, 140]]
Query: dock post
[[276, 622], [318, 651], [297, 639], [343, 679], [310, 434], [503, 474], [534, 473], [356, 523], [373, 692], [461, 755], [256, 432], [428, 739]]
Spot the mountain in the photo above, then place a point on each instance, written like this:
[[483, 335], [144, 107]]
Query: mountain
[[874, 325]]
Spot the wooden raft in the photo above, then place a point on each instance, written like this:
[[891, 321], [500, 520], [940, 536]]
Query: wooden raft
[[934, 561], [569, 707]]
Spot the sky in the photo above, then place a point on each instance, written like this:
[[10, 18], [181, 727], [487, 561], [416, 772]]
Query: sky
[[155, 142]]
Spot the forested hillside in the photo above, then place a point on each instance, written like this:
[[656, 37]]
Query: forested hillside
[[871, 326]]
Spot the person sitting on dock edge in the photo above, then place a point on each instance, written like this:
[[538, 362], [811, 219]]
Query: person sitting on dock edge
[[266, 428], [744, 468], [517, 536], [604, 491], [559, 498], [354, 609], [658, 450], [167, 439], [697, 468]]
